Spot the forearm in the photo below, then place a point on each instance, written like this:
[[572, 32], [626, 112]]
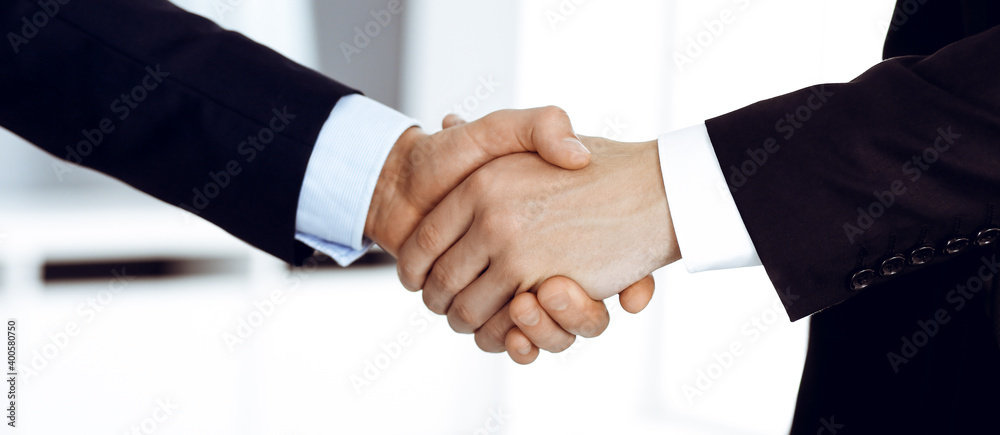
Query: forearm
[[835, 180], [165, 107]]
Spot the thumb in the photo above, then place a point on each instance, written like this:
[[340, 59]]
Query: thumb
[[442, 161], [545, 130]]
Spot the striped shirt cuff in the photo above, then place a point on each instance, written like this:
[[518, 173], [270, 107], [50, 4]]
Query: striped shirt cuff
[[340, 179]]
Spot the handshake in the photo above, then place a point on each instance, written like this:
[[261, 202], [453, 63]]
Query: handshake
[[517, 229]]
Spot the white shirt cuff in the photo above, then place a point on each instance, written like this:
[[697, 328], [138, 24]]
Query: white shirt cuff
[[710, 231], [341, 176]]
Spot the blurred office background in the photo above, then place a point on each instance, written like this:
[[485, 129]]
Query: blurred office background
[[135, 314]]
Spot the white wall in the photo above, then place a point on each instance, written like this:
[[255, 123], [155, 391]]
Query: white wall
[[459, 56]]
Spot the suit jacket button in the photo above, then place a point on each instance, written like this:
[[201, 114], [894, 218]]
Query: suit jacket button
[[893, 265], [987, 236], [862, 279], [956, 245], [922, 255]]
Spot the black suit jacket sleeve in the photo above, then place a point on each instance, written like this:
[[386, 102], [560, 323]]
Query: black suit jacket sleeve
[[169, 103], [837, 179]]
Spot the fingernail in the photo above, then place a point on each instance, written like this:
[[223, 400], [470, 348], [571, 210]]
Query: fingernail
[[577, 146], [524, 350], [530, 318], [558, 301]]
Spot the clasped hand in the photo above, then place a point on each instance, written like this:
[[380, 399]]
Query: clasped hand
[[517, 247]]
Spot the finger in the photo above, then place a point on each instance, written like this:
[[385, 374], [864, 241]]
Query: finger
[[474, 305], [537, 325], [452, 120], [446, 158], [636, 297], [437, 232], [453, 272], [520, 348], [491, 336], [545, 130], [570, 307]]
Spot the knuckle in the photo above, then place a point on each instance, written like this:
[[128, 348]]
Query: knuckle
[[462, 318], [444, 280], [521, 304], [490, 339], [519, 267], [408, 274], [590, 327], [492, 117], [481, 182], [554, 114], [428, 237], [499, 225], [434, 303]]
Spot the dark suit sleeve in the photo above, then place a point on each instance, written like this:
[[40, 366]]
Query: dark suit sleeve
[[845, 187], [169, 103]]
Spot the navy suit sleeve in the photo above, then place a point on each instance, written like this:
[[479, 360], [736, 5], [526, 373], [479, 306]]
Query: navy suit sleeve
[[170, 103], [844, 188]]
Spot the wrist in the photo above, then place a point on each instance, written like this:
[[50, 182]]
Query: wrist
[[666, 249], [640, 178], [388, 199]]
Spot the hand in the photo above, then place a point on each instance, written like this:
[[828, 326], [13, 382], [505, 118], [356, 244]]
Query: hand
[[518, 221], [552, 320], [558, 323], [421, 169]]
